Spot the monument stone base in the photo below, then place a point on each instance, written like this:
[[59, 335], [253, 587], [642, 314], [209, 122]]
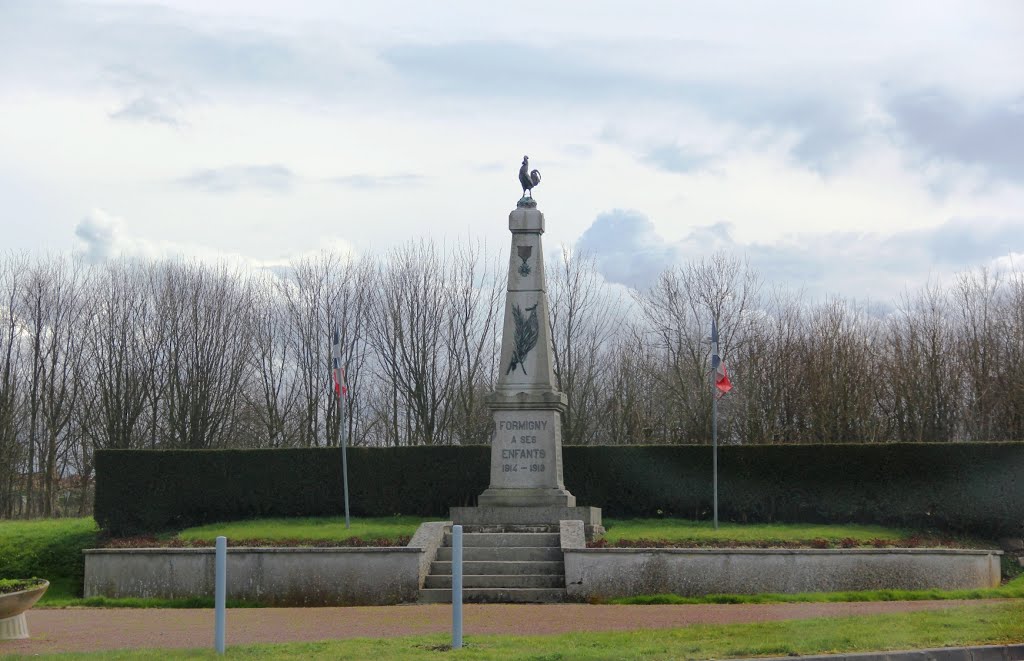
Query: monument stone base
[[528, 516], [521, 497]]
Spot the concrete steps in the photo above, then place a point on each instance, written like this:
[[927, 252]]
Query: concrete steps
[[514, 539], [501, 564], [502, 553], [495, 595], [498, 581], [494, 567]]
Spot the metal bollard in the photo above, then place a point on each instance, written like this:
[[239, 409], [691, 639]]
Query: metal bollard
[[456, 587], [220, 592]]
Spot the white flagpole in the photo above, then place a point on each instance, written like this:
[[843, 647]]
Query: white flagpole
[[344, 446], [342, 427], [714, 449], [714, 419]]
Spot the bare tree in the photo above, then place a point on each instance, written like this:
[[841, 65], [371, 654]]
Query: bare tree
[[415, 357], [922, 386], [121, 353], [775, 396], [206, 348], [474, 297], [12, 453], [584, 321], [843, 375], [976, 301], [678, 312], [276, 394]]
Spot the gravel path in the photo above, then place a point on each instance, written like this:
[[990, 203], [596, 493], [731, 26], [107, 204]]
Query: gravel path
[[92, 629]]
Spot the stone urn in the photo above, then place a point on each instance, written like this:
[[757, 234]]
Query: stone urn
[[12, 611]]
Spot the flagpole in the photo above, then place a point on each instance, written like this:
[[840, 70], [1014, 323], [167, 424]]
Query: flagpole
[[715, 359], [714, 446], [340, 388], [343, 432]]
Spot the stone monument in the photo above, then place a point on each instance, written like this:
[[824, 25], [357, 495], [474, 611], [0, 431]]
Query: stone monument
[[526, 486]]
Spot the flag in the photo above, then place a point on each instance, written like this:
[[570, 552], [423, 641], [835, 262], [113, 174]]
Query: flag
[[720, 375], [337, 371]]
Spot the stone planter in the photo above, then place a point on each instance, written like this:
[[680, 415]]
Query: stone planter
[[12, 611]]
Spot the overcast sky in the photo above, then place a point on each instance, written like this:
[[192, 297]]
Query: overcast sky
[[852, 148]]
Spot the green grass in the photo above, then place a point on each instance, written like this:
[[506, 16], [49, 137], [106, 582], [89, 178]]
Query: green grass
[[683, 530], [1012, 590], [50, 549], [326, 528], [989, 624]]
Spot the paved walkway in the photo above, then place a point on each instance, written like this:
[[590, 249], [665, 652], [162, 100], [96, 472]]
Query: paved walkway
[[92, 629]]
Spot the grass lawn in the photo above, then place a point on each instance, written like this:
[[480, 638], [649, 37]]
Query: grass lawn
[[1013, 589], [50, 549], [391, 529], [703, 532], [988, 624]]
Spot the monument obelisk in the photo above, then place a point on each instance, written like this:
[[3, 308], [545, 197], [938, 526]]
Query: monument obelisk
[[526, 487]]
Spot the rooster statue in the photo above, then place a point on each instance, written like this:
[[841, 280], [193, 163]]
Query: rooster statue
[[528, 178]]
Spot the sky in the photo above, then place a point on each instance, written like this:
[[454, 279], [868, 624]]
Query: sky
[[853, 149]]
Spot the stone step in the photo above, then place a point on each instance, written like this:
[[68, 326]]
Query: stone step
[[478, 568], [510, 528], [504, 553], [498, 581], [494, 595], [507, 539]]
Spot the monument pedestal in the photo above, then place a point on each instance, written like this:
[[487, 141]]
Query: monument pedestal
[[526, 487]]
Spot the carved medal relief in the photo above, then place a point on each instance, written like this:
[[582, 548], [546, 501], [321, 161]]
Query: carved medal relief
[[526, 264], [524, 254]]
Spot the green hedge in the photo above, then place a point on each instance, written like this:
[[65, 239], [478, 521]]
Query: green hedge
[[956, 487]]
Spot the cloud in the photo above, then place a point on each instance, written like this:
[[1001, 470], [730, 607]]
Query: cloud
[[629, 251], [626, 247], [367, 181], [148, 108], [100, 234], [270, 178], [672, 158], [103, 236], [941, 127]]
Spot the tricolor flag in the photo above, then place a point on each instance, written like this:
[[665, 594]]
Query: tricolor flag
[[719, 374], [337, 371]]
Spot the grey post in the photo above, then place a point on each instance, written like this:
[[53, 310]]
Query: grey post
[[714, 446], [344, 453], [715, 360], [220, 592], [456, 587], [342, 397]]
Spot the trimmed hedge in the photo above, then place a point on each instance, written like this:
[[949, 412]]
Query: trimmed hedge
[[963, 487]]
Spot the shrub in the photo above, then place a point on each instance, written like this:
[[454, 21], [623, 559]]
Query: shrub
[[964, 488]]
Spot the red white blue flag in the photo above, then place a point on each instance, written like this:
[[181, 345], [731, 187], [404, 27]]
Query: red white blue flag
[[719, 373], [337, 371]]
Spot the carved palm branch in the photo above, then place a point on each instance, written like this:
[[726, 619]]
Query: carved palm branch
[[525, 337]]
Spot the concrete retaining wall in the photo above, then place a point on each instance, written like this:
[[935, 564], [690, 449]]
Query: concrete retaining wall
[[610, 573], [273, 576]]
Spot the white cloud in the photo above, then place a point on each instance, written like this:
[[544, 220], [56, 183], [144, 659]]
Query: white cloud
[[798, 122], [103, 236], [874, 265]]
